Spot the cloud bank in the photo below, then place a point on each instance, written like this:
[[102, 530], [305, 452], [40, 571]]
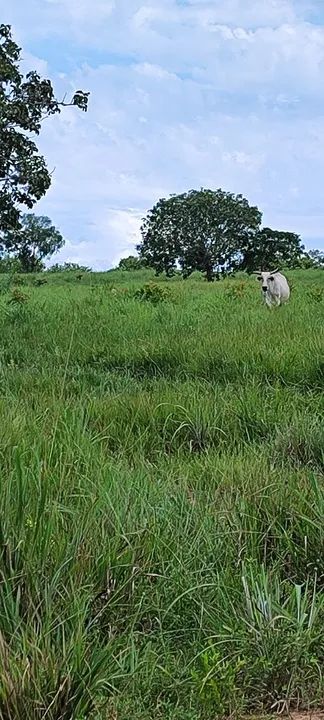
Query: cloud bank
[[184, 94]]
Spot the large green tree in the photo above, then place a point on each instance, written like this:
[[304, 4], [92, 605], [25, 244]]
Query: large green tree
[[35, 240], [24, 103], [198, 230], [269, 248], [130, 263], [161, 235]]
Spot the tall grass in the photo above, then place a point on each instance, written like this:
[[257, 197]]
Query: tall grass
[[162, 499]]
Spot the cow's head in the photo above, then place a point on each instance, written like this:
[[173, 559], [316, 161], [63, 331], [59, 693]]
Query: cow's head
[[266, 279]]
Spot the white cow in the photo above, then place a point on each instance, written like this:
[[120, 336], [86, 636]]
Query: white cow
[[274, 287]]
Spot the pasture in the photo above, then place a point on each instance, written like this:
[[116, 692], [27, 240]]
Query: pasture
[[162, 498]]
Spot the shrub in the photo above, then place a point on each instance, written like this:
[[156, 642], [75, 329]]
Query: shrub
[[216, 681], [18, 280], [68, 267], [39, 281], [237, 290], [18, 297], [153, 292]]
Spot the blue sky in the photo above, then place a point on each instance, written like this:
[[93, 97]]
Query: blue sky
[[184, 94]]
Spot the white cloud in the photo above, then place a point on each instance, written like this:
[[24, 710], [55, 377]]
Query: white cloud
[[248, 160], [207, 92], [247, 13], [154, 71], [65, 16], [81, 11], [118, 231], [32, 61]]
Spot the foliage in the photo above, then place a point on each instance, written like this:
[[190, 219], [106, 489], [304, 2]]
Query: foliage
[[161, 242], [237, 290], [24, 103], [36, 240], [215, 232], [153, 293], [39, 281], [200, 230], [67, 267], [316, 258], [131, 263], [17, 297], [217, 682], [10, 264], [17, 280], [268, 249]]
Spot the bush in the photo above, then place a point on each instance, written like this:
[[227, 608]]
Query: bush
[[17, 297], [216, 681], [153, 292], [237, 290], [68, 267], [18, 280], [39, 281]]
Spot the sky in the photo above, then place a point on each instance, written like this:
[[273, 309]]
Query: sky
[[184, 94]]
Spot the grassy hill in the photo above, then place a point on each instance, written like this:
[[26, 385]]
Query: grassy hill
[[162, 498]]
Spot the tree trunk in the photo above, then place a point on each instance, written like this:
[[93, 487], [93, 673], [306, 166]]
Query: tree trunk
[[209, 272]]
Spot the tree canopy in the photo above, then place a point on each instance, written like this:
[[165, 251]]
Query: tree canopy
[[130, 263], [316, 258], [215, 232], [24, 103], [269, 248], [35, 240], [68, 267], [198, 230]]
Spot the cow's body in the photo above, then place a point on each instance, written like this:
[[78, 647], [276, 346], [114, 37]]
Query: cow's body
[[274, 288]]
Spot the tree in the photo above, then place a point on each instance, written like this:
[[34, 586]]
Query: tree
[[198, 230], [131, 263], [161, 243], [68, 267], [24, 103], [317, 258], [34, 241], [269, 248]]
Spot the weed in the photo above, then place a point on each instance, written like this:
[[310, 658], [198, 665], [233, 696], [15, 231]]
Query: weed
[[39, 281], [17, 280], [316, 293], [217, 682], [153, 293], [237, 290], [17, 297]]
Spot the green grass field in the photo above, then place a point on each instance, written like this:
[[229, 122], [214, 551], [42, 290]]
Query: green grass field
[[162, 499]]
